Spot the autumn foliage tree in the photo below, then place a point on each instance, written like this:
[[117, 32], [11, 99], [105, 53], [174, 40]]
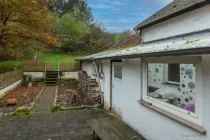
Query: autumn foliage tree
[[25, 24]]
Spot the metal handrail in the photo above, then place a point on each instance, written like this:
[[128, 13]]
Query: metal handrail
[[58, 69], [45, 71]]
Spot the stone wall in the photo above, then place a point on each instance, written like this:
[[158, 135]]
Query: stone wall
[[89, 86]]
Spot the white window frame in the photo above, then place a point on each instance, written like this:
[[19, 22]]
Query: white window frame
[[117, 64], [196, 117]]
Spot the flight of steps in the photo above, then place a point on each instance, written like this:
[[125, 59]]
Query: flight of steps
[[51, 78]]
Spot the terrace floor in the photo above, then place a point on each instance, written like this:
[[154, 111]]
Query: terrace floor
[[42, 124]]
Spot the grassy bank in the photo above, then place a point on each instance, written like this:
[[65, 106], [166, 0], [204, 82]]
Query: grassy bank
[[12, 64], [58, 57]]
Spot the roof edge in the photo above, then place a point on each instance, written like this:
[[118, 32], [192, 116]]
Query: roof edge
[[178, 13], [190, 51]]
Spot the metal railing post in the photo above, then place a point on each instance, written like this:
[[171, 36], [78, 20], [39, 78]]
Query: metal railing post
[[58, 69], [45, 71]]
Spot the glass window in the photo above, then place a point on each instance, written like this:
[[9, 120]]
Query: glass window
[[181, 95], [118, 72], [174, 73]]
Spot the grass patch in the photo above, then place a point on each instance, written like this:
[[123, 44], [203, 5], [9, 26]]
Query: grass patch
[[58, 57], [10, 65]]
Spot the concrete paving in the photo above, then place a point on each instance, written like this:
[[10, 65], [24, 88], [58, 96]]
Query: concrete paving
[[42, 124]]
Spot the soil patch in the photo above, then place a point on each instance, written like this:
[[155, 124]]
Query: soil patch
[[72, 96], [24, 96]]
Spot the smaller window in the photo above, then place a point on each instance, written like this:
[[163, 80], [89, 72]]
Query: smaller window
[[118, 72], [174, 73]]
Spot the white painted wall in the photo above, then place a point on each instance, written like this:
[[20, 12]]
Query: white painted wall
[[105, 82], [149, 123], [35, 75], [40, 75], [192, 21], [69, 75], [9, 88], [88, 67]]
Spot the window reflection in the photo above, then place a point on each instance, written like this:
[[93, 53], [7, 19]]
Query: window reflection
[[173, 84]]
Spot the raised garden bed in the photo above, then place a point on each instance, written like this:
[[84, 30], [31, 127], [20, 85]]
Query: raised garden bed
[[70, 96], [25, 97]]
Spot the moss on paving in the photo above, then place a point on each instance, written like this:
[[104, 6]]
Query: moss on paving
[[56, 107], [45, 101], [23, 110]]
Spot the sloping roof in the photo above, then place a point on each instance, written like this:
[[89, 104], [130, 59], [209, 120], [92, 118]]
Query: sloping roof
[[132, 40], [190, 45], [172, 8]]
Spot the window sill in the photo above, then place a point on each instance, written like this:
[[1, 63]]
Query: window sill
[[174, 117]]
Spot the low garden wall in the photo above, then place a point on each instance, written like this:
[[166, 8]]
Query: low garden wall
[[9, 78], [40, 75], [69, 75], [35, 75], [9, 88]]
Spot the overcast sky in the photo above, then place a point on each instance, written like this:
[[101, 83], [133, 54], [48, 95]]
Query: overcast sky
[[118, 15]]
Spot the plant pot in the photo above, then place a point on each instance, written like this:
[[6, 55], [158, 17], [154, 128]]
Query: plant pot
[[30, 84], [11, 101]]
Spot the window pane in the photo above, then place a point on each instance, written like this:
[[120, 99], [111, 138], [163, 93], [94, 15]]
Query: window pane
[[174, 72], [118, 72], [161, 86]]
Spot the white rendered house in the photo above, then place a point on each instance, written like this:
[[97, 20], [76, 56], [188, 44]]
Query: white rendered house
[[161, 88]]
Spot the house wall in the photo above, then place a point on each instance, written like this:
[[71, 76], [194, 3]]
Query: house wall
[[105, 81], [149, 123], [193, 21], [106, 84], [88, 67]]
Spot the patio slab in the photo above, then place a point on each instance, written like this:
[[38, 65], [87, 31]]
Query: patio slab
[[42, 124], [68, 125]]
